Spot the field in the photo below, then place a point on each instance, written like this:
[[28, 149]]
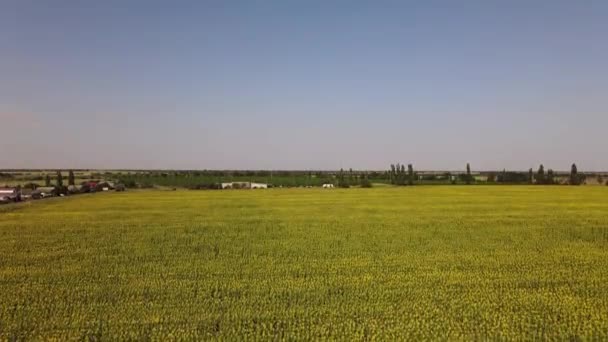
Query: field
[[413, 263]]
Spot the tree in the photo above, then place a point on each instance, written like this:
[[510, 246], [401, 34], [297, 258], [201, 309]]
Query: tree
[[59, 180], [600, 179], [550, 179], [574, 179], [530, 176], [402, 178], [512, 177], [469, 177], [410, 174], [47, 180], [365, 183], [342, 183], [71, 178], [491, 177], [540, 175]]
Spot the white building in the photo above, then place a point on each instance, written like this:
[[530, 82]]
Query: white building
[[226, 185], [244, 185], [259, 186]]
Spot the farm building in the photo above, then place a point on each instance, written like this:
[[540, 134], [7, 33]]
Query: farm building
[[10, 194], [244, 185], [259, 186], [226, 185], [328, 185]]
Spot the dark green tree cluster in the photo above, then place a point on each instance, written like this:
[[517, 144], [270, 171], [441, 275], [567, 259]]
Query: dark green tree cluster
[[491, 177], [59, 187], [398, 175], [342, 181], [540, 175], [549, 178], [59, 179], [575, 177], [364, 181], [512, 177], [410, 174], [468, 178], [71, 178], [544, 179]]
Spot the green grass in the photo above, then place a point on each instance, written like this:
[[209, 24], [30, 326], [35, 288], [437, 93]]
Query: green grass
[[478, 262]]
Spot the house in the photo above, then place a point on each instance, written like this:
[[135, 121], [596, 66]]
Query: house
[[244, 185], [10, 194], [226, 185]]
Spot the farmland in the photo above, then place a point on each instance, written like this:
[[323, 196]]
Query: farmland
[[449, 262]]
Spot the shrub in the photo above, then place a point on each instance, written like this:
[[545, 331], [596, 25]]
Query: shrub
[[205, 186], [365, 183], [128, 183]]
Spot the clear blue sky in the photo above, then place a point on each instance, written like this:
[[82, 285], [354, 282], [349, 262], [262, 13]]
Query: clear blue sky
[[303, 84]]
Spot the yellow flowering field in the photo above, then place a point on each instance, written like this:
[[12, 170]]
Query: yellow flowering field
[[411, 263]]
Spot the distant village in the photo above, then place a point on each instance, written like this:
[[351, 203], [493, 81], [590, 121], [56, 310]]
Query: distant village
[[25, 185], [19, 193]]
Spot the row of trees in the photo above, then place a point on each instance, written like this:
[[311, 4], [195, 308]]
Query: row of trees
[[398, 175], [345, 181], [60, 188], [541, 177], [59, 179], [549, 178]]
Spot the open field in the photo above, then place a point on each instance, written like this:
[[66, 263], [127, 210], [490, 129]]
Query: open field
[[516, 262]]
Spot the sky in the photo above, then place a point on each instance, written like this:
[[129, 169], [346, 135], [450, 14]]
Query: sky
[[303, 84]]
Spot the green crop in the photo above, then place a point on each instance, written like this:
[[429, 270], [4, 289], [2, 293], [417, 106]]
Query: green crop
[[413, 263]]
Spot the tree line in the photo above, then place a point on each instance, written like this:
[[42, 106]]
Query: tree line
[[397, 175], [400, 174]]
